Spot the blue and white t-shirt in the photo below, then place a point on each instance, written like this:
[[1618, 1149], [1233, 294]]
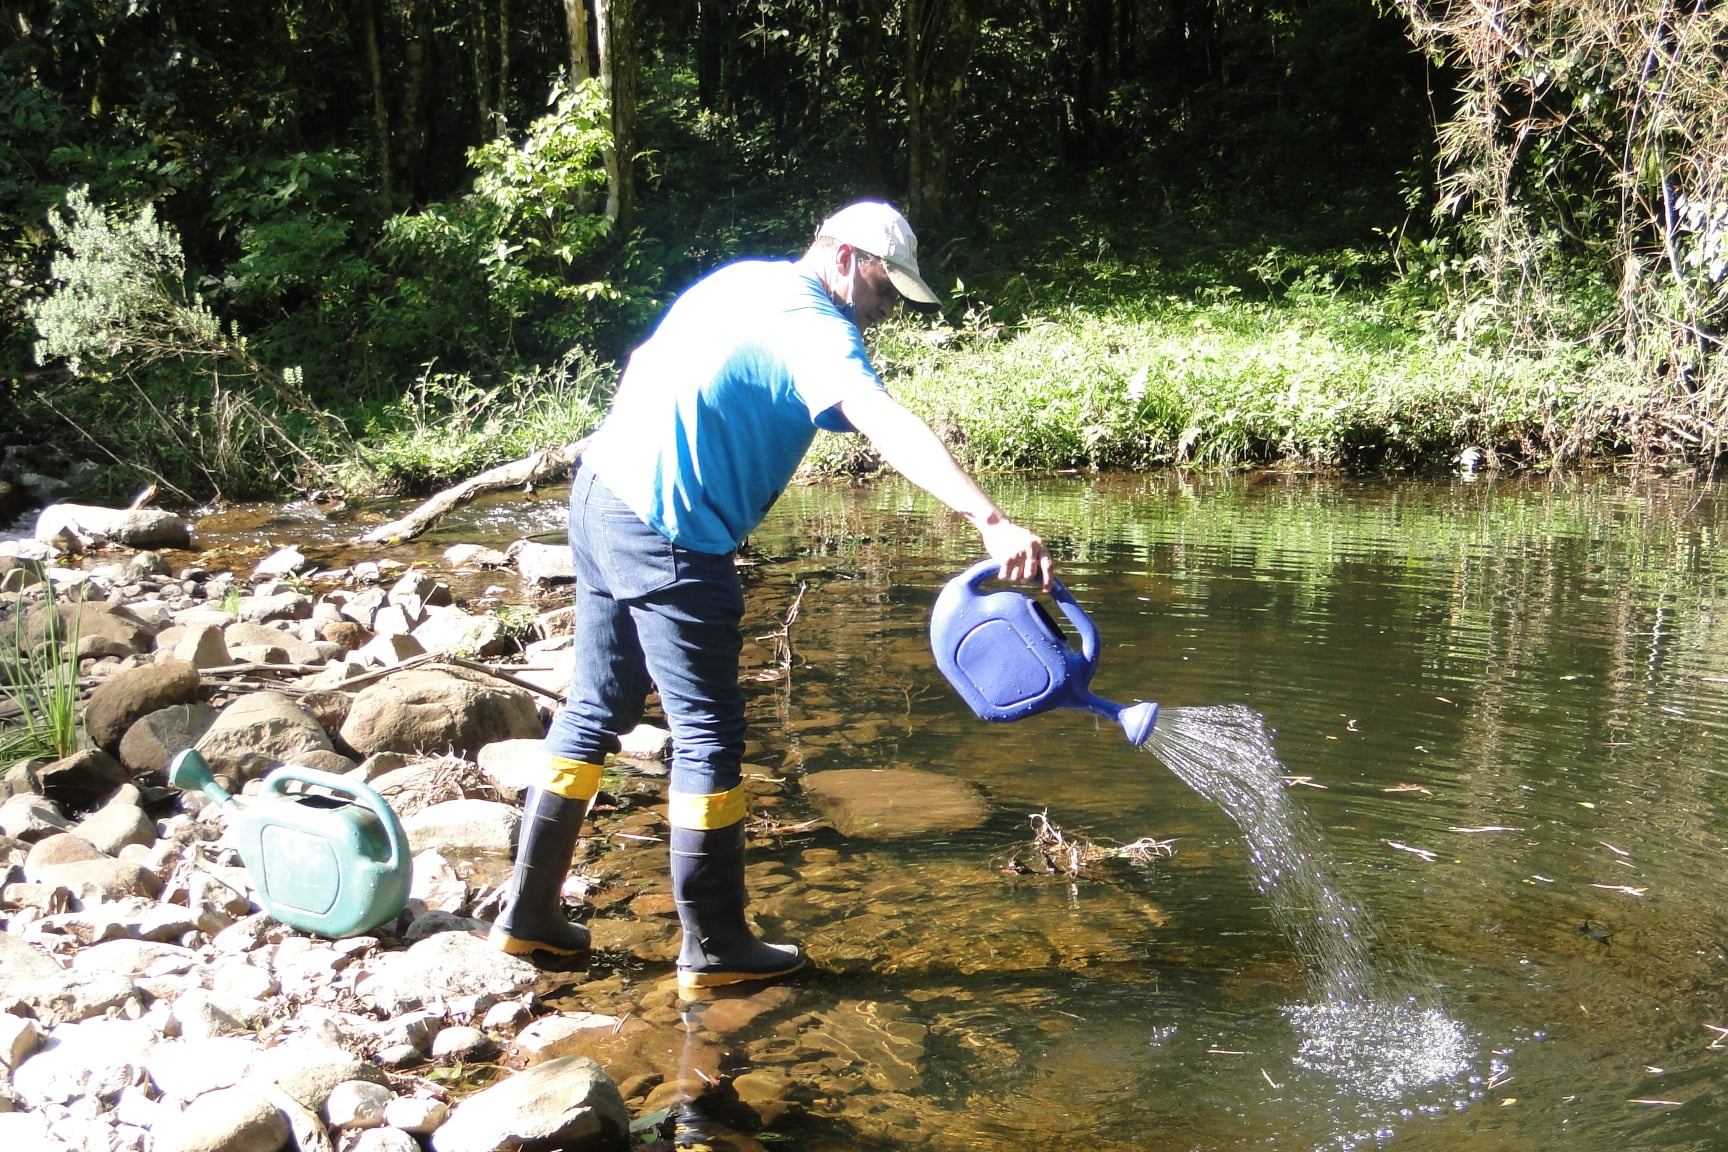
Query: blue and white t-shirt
[[717, 407]]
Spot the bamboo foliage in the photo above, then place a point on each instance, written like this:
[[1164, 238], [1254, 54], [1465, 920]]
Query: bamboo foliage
[[1597, 130]]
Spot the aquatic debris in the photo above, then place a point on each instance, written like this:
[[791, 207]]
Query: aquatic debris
[[1721, 1035], [1626, 888], [1055, 853], [1422, 852], [1426, 791], [1487, 828]]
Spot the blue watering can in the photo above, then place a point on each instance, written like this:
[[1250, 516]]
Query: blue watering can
[[1008, 660], [331, 864]]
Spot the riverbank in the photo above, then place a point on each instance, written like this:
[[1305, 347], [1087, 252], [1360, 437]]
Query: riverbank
[[149, 1002]]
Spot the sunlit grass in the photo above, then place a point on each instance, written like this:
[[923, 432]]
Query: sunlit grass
[[1223, 381], [41, 685]]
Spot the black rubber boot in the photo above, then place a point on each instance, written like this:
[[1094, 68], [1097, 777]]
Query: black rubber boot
[[708, 886], [533, 921]]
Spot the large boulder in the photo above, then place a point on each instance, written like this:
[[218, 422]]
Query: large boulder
[[258, 732], [153, 742], [567, 1103], [119, 702], [82, 780], [75, 527], [97, 627], [446, 967], [438, 710]]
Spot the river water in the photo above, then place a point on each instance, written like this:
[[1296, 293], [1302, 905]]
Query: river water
[[1500, 708]]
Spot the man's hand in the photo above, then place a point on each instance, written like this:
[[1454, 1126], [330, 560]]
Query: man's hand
[[1020, 552]]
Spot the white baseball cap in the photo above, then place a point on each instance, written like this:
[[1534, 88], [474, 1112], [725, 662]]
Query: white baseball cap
[[874, 227]]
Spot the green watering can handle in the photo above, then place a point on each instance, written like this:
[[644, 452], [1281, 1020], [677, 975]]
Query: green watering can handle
[[275, 782]]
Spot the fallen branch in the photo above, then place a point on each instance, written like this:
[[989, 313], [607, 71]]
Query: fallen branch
[[537, 466]]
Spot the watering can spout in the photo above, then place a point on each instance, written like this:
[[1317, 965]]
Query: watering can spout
[[1137, 720]]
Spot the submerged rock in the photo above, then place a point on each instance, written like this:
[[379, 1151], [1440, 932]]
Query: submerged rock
[[563, 1102], [894, 802]]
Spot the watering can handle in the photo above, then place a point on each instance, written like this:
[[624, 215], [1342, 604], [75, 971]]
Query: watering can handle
[[274, 783], [985, 569]]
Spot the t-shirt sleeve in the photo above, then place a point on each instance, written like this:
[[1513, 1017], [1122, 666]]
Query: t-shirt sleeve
[[828, 364]]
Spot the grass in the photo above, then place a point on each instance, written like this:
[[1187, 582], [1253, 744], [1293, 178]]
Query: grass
[[1217, 378], [42, 688]]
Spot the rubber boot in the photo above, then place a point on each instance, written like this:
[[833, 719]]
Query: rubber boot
[[533, 920], [708, 887]]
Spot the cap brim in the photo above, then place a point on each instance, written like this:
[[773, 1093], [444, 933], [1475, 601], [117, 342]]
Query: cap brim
[[912, 288]]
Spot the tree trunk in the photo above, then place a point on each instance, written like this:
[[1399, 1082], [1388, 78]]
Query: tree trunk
[[576, 27], [501, 103], [937, 45], [710, 53], [380, 109], [614, 25]]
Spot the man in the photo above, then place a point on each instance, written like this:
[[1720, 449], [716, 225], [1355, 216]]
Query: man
[[713, 415]]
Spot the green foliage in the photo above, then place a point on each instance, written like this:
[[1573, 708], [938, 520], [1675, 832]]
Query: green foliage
[[514, 267], [156, 382], [1212, 379], [40, 681], [446, 427]]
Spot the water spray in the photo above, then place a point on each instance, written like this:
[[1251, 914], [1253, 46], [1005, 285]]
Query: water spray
[[1008, 660]]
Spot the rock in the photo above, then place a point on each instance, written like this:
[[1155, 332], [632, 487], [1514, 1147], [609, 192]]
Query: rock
[[132, 527], [153, 742], [22, 964], [183, 1070], [346, 633], [282, 562], [96, 1058], [101, 629], [201, 646], [19, 1037], [31, 817], [118, 703], [552, 1037], [894, 802], [115, 825], [248, 634], [72, 997], [454, 827], [646, 742], [438, 709], [420, 1114], [356, 1104], [474, 556], [135, 958], [566, 1102], [53, 851], [388, 650], [309, 1071], [277, 606], [384, 1140], [455, 632], [512, 765], [325, 761], [446, 967], [460, 1042], [258, 732], [238, 1119], [542, 566], [102, 879], [82, 780], [26, 1130]]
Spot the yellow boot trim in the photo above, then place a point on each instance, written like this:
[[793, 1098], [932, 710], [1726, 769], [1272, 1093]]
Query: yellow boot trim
[[706, 813], [571, 779]]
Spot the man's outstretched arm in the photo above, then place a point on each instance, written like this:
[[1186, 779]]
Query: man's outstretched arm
[[917, 453]]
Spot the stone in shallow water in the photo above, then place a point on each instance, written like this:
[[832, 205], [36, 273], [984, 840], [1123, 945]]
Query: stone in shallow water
[[894, 802], [566, 1101]]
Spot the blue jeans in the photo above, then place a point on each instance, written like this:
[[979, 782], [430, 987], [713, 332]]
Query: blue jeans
[[651, 613]]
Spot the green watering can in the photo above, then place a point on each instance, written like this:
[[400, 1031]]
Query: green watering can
[[334, 865]]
